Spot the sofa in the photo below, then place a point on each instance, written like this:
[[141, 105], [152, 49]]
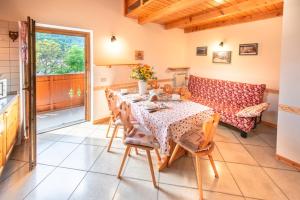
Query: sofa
[[228, 98]]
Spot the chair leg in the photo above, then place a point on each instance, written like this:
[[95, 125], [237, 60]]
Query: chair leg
[[127, 150], [151, 168], [213, 165], [136, 151], [112, 137], [109, 126], [199, 178], [174, 154], [158, 155]]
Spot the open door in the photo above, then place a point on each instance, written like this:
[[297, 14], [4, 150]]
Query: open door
[[28, 96]]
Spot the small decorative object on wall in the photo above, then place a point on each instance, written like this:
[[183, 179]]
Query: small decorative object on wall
[[142, 73], [248, 49], [13, 35], [139, 55], [222, 57], [201, 51]]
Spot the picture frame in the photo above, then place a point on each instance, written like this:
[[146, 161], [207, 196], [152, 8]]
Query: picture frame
[[223, 57], [250, 49], [139, 55], [201, 51]]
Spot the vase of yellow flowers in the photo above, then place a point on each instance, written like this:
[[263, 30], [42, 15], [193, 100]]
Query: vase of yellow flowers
[[142, 73]]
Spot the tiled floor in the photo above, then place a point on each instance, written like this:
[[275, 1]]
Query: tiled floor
[[73, 164]]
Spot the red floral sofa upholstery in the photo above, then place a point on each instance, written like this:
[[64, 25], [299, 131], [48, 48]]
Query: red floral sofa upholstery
[[227, 98]]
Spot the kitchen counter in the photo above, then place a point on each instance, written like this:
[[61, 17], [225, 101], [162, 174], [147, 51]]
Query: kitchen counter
[[5, 102]]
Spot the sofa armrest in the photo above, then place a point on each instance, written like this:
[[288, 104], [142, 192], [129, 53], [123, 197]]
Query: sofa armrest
[[253, 111]]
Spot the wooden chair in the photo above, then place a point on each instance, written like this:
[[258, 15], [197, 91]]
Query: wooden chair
[[185, 93], [109, 96], [168, 89], [137, 137], [153, 84], [199, 143]]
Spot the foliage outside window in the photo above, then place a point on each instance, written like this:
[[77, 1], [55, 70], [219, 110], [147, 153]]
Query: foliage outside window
[[59, 54]]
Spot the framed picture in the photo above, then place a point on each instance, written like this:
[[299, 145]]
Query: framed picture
[[201, 51], [222, 57], [139, 55], [248, 49]]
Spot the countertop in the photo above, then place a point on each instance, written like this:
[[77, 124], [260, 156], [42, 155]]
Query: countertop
[[5, 102]]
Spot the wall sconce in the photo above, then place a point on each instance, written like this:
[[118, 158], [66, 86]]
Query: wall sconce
[[13, 35], [113, 38], [221, 44]]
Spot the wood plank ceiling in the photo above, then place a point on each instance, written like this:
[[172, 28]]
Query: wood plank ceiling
[[197, 15]]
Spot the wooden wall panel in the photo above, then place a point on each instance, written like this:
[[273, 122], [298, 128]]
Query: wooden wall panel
[[54, 92]]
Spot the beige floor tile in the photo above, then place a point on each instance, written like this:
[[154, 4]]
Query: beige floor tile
[[132, 189], [288, 181], [108, 162], [10, 167], [235, 153], [49, 136], [83, 157], [225, 183], [138, 166], [254, 182], [265, 156], [220, 196], [58, 185], [268, 134], [181, 173], [96, 186], [18, 185], [252, 139], [72, 139], [171, 192], [56, 153], [20, 152], [42, 145], [224, 134]]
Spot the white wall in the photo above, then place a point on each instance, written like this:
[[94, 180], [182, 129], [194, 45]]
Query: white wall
[[288, 136], [163, 48], [263, 68]]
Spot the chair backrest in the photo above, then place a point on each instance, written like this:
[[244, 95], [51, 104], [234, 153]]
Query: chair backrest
[[112, 101], [125, 117], [185, 93], [209, 130], [153, 84], [168, 89]]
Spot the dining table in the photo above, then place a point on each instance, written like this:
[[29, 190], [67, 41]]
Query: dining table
[[168, 122]]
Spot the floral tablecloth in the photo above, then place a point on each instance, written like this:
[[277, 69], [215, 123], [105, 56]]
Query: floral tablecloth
[[171, 123]]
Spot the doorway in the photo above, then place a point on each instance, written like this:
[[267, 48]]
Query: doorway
[[62, 78]]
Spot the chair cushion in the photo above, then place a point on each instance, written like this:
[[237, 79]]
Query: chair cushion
[[192, 141], [142, 137], [253, 111]]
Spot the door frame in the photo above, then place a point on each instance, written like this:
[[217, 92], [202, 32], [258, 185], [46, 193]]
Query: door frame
[[87, 35]]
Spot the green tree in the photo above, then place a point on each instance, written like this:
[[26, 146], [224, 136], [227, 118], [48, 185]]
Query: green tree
[[49, 56], [75, 59]]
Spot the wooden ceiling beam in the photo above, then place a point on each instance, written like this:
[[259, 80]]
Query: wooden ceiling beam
[[171, 9], [216, 13], [139, 10], [243, 19]]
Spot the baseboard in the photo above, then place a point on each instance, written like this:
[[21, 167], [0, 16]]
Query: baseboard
[[288, 162], [269, 124], [101, 120]]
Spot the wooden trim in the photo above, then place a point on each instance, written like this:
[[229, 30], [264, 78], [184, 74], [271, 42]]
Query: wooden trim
[[178, 68], [289, 109], [272, 91], [288, 162], [269, 124], [111, 65], [101, 120], [126, 85], [87, 84]]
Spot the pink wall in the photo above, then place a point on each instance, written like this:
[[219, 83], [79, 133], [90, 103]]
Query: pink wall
[[263, 68]]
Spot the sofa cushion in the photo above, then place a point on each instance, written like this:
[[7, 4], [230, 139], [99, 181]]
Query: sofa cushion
[[253, 111]]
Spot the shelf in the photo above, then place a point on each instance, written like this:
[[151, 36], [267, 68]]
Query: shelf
[[121, 64], [178, 68]]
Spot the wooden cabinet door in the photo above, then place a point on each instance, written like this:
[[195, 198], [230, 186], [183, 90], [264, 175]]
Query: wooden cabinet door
[[12, 122]]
